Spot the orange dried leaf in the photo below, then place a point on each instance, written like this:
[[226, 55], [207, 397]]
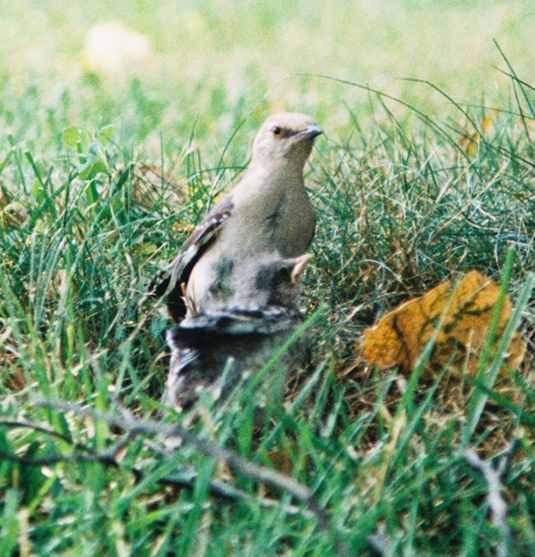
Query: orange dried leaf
[[470, 141], [282, 460], [183, 227], [487, 125], [401, 335]]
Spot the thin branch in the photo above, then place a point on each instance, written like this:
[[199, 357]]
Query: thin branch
[[52, 460], [35, 427], [497, 504], [380, 541], [185, 479], [259, 473]]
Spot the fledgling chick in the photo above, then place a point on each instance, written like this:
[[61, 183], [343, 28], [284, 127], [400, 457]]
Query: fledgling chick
[[267, 211], [237, 339], [257, 281]]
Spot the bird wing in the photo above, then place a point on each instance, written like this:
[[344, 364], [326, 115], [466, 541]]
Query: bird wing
[[170, 284], [236, 321]]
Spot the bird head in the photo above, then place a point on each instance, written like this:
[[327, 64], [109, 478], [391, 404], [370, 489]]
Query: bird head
[[278, 278], [285, 139]]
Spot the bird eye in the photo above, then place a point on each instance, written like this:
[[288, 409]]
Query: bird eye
[[277, 130]]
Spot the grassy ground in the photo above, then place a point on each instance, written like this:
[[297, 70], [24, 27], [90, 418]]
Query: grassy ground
[[100, 178]]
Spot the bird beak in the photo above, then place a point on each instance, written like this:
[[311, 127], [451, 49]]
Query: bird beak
[[312, 131], [299, 265]]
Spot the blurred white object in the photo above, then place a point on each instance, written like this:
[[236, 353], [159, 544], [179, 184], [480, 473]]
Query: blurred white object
[[112, 49]]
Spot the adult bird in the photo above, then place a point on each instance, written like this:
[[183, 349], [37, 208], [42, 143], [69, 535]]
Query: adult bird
[[267, 211]]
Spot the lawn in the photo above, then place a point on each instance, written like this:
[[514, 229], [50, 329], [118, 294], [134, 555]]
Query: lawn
[[426, 171]]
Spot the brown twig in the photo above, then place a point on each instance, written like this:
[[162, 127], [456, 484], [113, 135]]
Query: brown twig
[[496, 502], [274, 479], [185, 479]]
